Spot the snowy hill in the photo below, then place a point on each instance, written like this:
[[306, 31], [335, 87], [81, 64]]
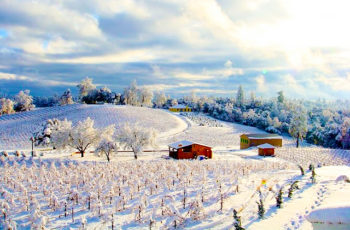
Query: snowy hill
[[16, 129]]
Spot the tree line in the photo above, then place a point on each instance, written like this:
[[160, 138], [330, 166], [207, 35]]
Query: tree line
[[318, 122]]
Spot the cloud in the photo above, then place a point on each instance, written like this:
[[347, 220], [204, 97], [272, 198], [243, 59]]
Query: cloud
[[138, 55], [8, 76], [190, 76], [209, 45], [46, 82], [336, 83], [122, 26], [293, 85], [49, 16]]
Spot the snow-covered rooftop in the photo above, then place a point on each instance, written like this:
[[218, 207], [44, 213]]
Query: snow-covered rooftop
[[334, 214], [262, 136], [178, 107], [181, 144], [184, 143], [266, 146]]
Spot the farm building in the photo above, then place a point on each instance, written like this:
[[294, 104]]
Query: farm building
[[249, 140], [266, 150], [188, 150], [180, 108]]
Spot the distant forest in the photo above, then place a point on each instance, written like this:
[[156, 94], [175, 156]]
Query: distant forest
[[318, 122]]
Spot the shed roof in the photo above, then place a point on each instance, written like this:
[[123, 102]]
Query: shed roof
[[178, 107], [262, 136], [266, 146], [183, 143]]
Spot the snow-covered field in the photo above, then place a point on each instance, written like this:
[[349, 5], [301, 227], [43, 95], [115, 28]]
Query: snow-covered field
[[62, 191]]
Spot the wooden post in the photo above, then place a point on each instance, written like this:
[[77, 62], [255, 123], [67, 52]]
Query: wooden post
[[32, 139]]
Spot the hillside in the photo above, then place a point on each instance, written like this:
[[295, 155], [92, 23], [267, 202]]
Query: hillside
[[16, 129]]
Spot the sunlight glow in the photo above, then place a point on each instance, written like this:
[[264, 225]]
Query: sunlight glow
[[311, 27]]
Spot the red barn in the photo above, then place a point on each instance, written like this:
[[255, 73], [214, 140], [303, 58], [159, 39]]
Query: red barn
[[266, 150], [188, 150]]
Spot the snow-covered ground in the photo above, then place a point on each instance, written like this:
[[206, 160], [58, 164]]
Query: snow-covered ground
[[151, 190]]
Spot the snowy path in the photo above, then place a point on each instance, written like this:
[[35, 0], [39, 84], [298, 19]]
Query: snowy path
[[183, 126]]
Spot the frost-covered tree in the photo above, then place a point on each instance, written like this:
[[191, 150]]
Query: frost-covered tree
[[66, 98], [59, 133], [146, 97], [173, 102], [46, 101], [191, 99], [80, 137], [6, 106], [252, 97], [43, 136], [104, 95], [159, 99], [276, 122], [240, 96], [344, 133], [117, 98], [131, 95], [24, 102], [83, 136], [107, 146], [136, 137], [85, 87], [298, 125]]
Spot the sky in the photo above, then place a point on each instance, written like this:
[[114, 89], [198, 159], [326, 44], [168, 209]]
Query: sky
[[209, 47]]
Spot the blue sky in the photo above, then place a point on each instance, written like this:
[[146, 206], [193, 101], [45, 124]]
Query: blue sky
[[177, 46]]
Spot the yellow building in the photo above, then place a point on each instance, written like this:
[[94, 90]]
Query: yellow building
[[249, 140], [180, 108]]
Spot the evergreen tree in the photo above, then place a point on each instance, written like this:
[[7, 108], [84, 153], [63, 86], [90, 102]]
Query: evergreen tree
[[237, 221], [261, 209], [279, 199], [313, 176], [292, 187], [280, 97], [240, 96]]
